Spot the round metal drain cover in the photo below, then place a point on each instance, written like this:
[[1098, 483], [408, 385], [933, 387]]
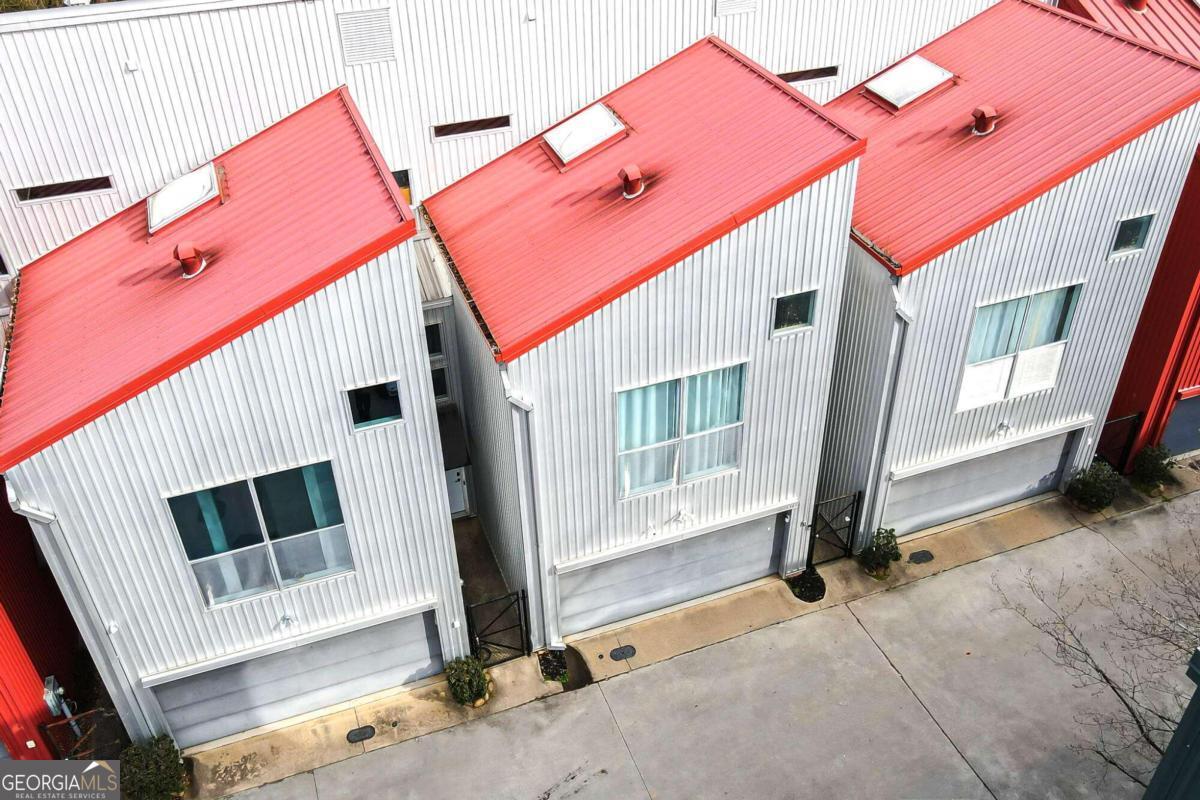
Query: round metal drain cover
[[623, 652], [920, 557], [360, 734]]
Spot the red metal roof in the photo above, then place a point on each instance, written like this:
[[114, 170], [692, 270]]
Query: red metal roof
[[1068, 94], [718, 139], [1171, 24], [107, 315]]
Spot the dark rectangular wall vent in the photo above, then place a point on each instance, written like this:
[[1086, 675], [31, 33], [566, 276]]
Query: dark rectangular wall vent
[[64, 189], [809, 74], [471, 126]]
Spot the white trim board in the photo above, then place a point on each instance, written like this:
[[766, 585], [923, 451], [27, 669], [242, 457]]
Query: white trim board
[[640, 547]]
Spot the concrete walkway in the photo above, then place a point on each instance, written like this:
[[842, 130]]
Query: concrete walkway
[[930, 690]]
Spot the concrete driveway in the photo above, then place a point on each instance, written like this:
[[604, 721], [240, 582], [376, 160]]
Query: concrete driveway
[[931, 690]]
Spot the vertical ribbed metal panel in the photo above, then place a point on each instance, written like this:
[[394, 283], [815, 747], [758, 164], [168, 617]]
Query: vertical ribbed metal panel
[[206, 79], [861, 370], [271, 399], [1061, 238], [488, 417], [712, 309]]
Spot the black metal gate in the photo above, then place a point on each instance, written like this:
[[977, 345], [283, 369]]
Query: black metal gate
[[834, 522], [499, 628], [1116, 440]]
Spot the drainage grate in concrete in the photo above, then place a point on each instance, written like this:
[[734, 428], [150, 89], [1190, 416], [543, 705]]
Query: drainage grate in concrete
[[357, 735], [920, 557], [623, 652]]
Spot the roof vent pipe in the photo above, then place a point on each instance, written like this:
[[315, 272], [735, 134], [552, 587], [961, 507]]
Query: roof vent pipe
[[1137, 5], [191, 259], [632, 183], [985, 120]]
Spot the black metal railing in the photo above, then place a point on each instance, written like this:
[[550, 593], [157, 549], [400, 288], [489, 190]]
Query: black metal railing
[[499, 628], [834, 522]]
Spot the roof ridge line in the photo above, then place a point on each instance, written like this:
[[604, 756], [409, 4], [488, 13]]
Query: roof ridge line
[[1115, 34]]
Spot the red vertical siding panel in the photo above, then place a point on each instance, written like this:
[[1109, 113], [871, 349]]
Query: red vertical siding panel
[[37, 637], [1166, 348]]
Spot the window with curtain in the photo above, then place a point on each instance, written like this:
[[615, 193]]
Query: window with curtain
[[260, 535], [679, 430], [1016, 347]]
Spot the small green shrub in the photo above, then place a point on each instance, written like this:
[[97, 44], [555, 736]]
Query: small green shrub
[[1094, 488], [877, 557], [1152, 466], [153, 770], [468, 682]]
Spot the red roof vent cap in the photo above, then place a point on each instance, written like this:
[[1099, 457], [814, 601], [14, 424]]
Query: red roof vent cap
[[985, 120], [190, 259], [631, 180], [1137, 5]]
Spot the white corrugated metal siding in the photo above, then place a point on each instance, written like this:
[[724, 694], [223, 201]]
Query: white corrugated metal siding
[[1059, 239], [712, 309], [271, 399], [145, 91]]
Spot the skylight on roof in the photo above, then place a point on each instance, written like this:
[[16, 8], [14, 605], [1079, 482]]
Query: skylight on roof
[[908, 80], [181, 195], [594, 125]]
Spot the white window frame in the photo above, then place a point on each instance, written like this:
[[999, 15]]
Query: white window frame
[[347, 403], [439, 361], [681, 438], [112, 189], [1113, 253], [280, 588], [779, 333], [1014, 357]]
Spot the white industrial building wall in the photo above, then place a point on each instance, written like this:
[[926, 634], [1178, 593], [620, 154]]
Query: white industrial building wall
[[491, 439], [867, 334], [270, 400], [144, 90], [711, 310]]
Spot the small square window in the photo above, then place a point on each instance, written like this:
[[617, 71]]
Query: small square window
[[794, 311], [433, 338], [1132, 234], [375, 405]]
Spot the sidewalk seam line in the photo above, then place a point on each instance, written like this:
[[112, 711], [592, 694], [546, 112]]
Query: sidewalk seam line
[[917, 697], [624, 741]]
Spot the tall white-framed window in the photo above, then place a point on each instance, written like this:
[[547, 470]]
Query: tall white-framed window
[[263, 534], [679, 430], [1017, 346]]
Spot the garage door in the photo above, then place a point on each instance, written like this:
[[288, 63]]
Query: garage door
[[1183, 429], [239, 697], [670, 574], [970, 487]]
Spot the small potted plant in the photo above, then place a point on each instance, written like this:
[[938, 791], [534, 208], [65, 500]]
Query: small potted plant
[[153, 770], [877, 557], [1094, 489], [1152, 469], [553, 664], [469, 682]]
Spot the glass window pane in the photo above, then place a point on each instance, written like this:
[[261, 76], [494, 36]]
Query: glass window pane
[[313, 555], [648, 415], [299, 500], [1049, 317], [374, 405], [996, 330], [1132, 234], [441, 386], [715, 399], [216, 520], [794, 311], [433, 339], [712, 452], [647, 469], [233, 576]]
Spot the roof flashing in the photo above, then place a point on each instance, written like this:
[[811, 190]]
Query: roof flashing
[[182, 195], [911, 79], [584, 132]]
